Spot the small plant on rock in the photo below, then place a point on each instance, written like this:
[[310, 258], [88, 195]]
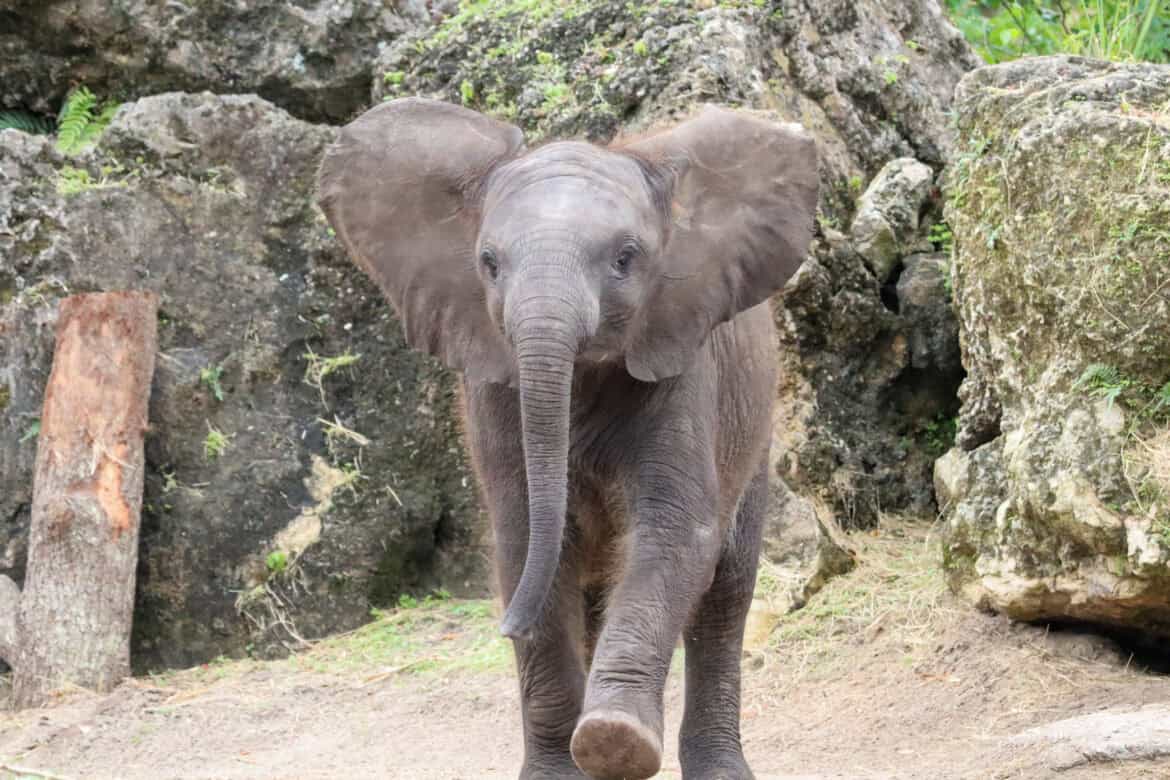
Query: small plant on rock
[[1103, 381], [940, 434], [26, 122], [215, 443], [318, 367], [31, 432], [276, 561], [210, 376], [82, 120], [941, 237]]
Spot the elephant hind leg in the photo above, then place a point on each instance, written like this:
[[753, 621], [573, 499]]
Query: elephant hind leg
[[709, 741]]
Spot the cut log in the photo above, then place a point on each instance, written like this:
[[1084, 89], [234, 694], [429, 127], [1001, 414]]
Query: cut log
[[9, 604], [74, 616]]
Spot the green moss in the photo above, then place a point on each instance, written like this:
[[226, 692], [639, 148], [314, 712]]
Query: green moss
[[541, 64], [5, 397], [73, 181], [215, 443], [938, 435], [467, 92], [276, 562], [1162, 529]]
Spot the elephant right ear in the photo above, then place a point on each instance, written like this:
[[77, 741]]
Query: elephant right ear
[[400, 187]]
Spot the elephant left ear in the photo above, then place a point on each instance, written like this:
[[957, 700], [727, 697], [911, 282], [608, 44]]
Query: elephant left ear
[[744, 199]]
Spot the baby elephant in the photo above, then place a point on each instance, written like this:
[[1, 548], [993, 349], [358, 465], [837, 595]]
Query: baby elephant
[[608, 308]]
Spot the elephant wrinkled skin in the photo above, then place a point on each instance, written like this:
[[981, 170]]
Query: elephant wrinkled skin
[[608, 308]]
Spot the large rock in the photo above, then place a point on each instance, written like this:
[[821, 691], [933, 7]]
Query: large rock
[[887, 216], [863, 412], [1058, 500], [309, 57], [1105, 737], [338, 486]]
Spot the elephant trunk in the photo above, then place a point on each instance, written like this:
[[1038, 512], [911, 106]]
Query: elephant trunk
[[548, 327]]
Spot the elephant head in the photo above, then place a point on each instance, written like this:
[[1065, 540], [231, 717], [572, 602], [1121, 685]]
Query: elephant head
[[515, 266]]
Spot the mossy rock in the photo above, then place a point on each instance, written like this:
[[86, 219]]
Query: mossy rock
[[1060, 206]]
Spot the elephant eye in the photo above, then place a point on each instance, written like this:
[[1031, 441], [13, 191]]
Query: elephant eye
[[625, 256], [488, 259]]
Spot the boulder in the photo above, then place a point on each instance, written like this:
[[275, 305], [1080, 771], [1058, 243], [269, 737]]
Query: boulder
[[1106, 737], [863, 412], [303, 465], [312, 58], [887, 214], [1057, 501]]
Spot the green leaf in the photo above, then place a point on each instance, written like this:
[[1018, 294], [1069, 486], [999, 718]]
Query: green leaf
[[26, 122], [76, 113], [81, 122], [31, 432]]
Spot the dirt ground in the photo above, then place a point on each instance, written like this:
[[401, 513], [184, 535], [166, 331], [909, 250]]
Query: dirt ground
[[883, 675]]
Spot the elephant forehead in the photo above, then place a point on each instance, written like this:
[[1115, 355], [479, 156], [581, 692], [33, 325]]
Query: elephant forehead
[[561, 199], [569, 169]]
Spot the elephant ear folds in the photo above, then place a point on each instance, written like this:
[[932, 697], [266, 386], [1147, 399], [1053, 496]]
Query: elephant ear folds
[[399, 186], [744, 200]]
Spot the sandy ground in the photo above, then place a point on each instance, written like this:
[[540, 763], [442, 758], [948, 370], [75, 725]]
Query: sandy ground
[[883, 676]]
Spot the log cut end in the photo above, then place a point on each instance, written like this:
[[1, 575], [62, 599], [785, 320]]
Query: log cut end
[[9, 603]]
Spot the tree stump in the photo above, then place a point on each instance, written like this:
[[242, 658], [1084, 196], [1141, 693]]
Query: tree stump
[[71, 625]]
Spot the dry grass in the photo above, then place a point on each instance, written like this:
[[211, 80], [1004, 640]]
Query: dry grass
[[1147, 469], [1152, 456], [435, 635], [897, 590]]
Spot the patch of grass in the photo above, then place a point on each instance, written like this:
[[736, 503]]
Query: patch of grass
[[318, 367], [276, 562], [1146, 464], [210, 377], [896, 593], [215, 443], [72, 181], [1125, 30], [352, 475], [433, 635], [335, 434], [941, 237], [1146, 458]]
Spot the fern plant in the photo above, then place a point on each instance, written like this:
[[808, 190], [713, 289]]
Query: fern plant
[[1103, 381], [26, 122], [82, 120]]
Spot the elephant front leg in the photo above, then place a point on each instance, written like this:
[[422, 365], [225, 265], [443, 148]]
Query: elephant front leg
[[675, 546], [709, 743], [552, 682], [550, 664]]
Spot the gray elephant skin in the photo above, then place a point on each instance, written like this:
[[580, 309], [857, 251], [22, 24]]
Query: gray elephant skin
[[608, 309]]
